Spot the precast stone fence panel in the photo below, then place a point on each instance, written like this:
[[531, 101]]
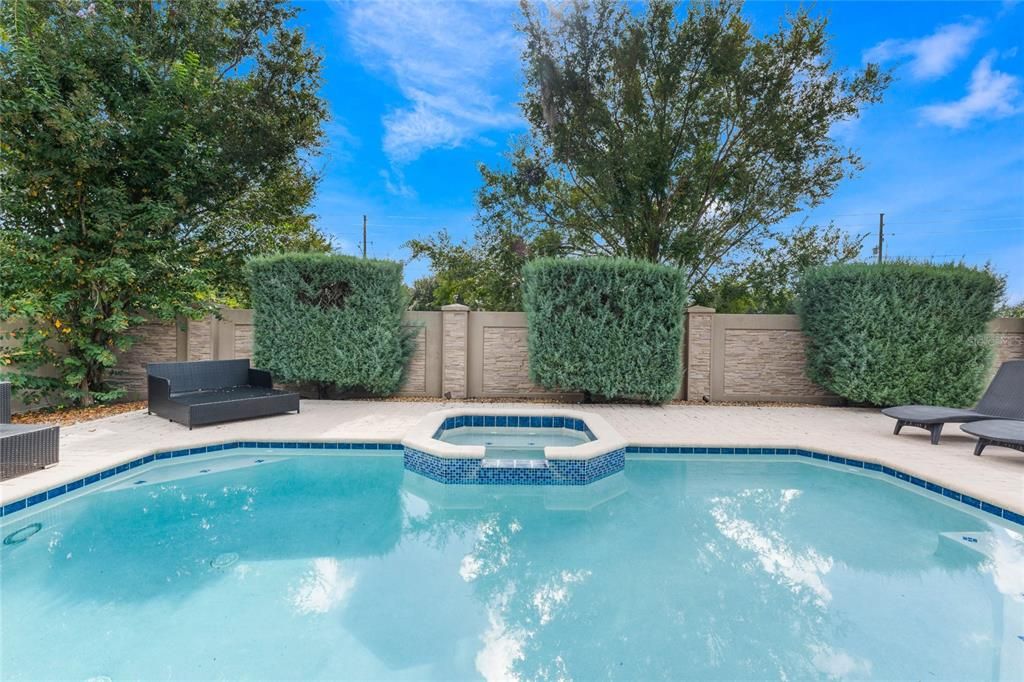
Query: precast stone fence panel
[[461, 354]]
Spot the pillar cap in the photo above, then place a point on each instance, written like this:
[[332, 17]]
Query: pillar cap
[[699, 309], [455, 307]]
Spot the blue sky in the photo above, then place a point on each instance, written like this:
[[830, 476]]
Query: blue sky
[[421, 92]]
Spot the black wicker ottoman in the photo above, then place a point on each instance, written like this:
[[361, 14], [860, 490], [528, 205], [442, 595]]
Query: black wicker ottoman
[[24, 447]]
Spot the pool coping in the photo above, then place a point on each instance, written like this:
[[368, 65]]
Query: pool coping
[[366, 446]]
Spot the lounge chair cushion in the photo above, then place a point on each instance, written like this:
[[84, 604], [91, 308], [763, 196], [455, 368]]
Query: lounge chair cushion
[[928, 414], [1001, 430]]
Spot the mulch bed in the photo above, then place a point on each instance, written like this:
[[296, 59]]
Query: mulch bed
[[74, 415]]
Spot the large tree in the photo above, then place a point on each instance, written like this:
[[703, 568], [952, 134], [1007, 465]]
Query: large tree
[[147, 149], [673, 135]]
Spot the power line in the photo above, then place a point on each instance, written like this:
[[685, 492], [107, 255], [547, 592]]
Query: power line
[[959, 222], [914, 233], [938, 211]]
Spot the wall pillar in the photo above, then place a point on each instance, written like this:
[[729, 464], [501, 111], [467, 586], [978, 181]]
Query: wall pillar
[[698, 352], [454, 350]]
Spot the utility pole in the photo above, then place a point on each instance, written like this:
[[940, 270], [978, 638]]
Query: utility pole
[[364, 235], [881, 235]]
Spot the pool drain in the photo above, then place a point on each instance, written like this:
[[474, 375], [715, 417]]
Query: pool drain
[[224, 560], [19, 536]]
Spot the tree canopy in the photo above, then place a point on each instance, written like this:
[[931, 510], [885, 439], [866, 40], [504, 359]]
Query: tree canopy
[[765, 279], [148, 148], [673, 135]]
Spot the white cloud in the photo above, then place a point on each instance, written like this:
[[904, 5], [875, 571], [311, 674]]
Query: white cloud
[[443, 57], [838, 664], [932, 56], [394, 183], [325, 586], [990, 94]]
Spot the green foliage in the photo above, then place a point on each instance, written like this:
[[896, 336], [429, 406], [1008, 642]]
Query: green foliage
[[899, 333], [674, 135], [1011, 310], [485, 274], [607, 326], [330, 320], [148, 148], [422, 294], [765, 281]]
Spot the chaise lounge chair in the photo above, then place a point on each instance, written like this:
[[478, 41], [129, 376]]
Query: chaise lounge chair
[[1003, 432], [211, 391], [1004, 399], [24, 447]]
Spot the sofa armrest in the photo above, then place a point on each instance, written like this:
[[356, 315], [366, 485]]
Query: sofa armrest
[[5, 402], [260, 378], [158, 391]]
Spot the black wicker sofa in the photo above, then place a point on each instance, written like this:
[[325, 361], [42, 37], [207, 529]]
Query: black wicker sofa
[[211, 391], [24, 447]]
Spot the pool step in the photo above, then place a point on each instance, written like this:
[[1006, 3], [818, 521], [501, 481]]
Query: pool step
[[498, 463]]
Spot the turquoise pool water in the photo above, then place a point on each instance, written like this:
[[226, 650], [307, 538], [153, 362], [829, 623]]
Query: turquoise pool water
[[514, 442], [341, 566]]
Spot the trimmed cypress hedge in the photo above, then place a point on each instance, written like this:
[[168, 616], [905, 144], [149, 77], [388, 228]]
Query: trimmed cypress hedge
[[899, 333], [606, 326], [330, 320]]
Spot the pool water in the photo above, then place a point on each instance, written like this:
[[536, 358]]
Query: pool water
[[287, 565], [513, 442]]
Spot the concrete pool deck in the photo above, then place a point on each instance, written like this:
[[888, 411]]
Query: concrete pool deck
[[996, 477]]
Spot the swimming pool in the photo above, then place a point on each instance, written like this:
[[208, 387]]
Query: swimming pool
[[282, 563]]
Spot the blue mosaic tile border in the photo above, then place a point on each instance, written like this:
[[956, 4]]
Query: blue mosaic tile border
[[33, 500], [558, 471], [513, 421], [956, 495]]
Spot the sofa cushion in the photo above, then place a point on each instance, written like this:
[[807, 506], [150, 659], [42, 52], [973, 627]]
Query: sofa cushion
[[221, 395]]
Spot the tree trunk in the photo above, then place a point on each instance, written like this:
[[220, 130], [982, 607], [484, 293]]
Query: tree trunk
[[323, 390]]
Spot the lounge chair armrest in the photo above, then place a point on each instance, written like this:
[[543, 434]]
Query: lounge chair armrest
[[260, 378]]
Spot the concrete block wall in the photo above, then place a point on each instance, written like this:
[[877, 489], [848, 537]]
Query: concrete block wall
[[464, 354], [499, 361], [761, 358]]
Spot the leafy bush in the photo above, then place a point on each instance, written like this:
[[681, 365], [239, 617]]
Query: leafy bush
[[331, 320], [608, 326], [899, 332]]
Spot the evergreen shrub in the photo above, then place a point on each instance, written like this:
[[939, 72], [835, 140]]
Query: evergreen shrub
[[605, 326], [899, 333], [330, 320]]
